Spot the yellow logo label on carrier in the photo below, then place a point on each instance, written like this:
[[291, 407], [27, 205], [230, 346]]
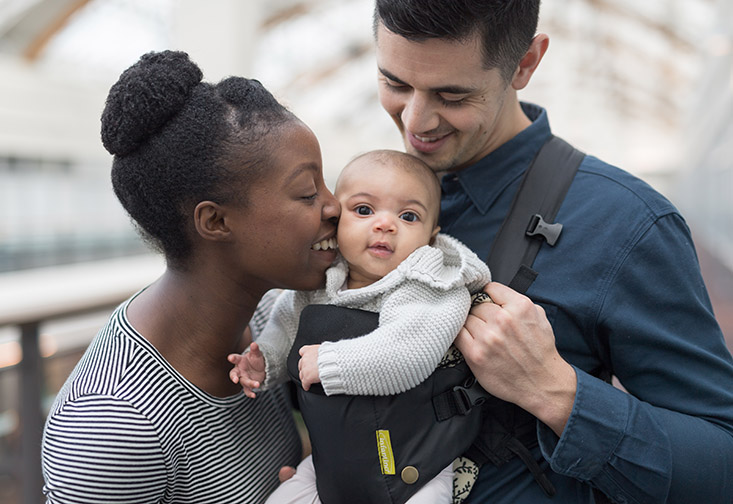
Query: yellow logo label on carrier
[[384, 447]]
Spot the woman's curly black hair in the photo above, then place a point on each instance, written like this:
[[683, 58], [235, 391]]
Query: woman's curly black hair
[[177, 140]]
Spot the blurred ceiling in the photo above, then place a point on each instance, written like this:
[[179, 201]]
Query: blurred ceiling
[[618, 79]]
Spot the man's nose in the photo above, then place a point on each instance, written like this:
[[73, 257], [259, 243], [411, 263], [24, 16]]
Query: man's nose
[[419, 114]]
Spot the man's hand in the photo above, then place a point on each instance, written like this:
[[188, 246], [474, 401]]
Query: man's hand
[[308, 366], [248, 370], [510, 347]]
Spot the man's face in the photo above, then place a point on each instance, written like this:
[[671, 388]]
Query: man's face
[[449, 108]]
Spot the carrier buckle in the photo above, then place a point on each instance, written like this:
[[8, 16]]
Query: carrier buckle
[[468, 395], [538, 226]]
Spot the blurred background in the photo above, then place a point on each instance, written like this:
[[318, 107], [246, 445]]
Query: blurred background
[[647, 86]]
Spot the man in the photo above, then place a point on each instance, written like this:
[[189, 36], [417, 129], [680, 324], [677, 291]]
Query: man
[[621, 289]]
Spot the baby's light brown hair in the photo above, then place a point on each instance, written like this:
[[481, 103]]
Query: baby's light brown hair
[[400, 160]]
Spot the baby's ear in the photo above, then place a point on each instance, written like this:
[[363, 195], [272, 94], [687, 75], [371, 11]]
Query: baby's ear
[[435, 233]]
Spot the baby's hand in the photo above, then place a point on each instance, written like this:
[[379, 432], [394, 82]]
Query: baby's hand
[[308, 366], [248, 370]]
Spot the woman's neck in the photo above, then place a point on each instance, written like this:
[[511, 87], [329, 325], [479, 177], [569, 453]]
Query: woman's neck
[[195, 324]]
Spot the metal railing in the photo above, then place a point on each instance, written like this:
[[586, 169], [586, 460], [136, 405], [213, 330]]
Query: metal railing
[[32, 297]]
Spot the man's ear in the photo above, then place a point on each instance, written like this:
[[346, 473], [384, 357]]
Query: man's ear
[[210, 221], [434, 234], [530, 61]]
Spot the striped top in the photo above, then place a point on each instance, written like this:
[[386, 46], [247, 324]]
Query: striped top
[[128, 428]]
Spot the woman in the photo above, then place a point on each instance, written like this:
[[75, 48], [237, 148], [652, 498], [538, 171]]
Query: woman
[[227, 184]]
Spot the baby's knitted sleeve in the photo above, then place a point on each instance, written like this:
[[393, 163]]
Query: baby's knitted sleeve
[[278, 335], [417, 325]]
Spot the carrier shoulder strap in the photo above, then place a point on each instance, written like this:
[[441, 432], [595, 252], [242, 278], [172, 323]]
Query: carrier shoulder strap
[[509, 431], [538, 199]]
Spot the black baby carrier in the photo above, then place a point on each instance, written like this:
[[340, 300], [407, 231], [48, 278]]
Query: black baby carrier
[[369, 449], [382, 449]]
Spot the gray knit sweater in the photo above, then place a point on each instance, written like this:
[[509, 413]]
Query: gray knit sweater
[[422, 305]]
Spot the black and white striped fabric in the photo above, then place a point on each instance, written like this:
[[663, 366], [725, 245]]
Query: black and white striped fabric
[[127, 428]]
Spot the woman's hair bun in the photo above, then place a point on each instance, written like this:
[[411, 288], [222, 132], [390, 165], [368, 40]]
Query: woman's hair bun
[[146, 96]]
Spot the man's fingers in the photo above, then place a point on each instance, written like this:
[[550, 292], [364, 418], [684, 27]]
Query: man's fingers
[[463, 341], [500, 293]]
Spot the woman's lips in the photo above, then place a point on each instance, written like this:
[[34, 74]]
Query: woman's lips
[[328, 244]]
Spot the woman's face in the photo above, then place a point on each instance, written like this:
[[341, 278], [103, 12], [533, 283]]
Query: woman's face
[[285, 235]]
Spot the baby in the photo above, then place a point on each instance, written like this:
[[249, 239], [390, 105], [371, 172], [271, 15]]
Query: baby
[[392, 261]]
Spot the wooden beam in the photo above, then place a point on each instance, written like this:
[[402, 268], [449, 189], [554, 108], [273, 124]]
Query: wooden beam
[[36, 46]]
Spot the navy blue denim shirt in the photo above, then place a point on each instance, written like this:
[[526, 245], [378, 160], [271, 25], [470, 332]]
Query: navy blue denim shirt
[[623, 291]]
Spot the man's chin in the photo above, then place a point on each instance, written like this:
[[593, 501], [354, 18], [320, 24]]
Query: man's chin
[[434, 160]]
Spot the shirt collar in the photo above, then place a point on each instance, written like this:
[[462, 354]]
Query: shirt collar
[[485, 180]]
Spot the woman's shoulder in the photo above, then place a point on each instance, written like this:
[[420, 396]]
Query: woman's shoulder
[[103, 363]]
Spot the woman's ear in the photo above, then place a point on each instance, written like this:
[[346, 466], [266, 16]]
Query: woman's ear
[[210, 221], [530, 61]]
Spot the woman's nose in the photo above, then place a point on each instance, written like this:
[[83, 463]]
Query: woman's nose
[[331, 207]]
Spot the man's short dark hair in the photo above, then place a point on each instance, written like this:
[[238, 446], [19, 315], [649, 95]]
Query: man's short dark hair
[[506, 27]]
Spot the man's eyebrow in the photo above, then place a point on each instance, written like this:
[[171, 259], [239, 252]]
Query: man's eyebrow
[[458, 90]]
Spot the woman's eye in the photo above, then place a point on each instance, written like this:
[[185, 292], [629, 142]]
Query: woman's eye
[[363, 210], [311, 197], [409, 217]]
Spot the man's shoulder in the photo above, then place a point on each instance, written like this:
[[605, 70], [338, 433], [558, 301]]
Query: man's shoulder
[[609, 188]]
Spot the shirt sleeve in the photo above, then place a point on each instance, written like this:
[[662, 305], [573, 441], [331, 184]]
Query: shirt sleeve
[[417, 325], [90, 456], [670, 437]]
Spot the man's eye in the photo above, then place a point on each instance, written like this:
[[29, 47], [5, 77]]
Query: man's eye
[[394, 86], [456, 102], [363, 210], [409, 217]]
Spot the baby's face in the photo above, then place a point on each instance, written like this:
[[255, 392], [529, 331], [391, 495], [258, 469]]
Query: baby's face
[[386, 213]]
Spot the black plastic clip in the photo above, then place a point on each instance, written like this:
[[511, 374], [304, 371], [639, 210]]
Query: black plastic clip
[[468, 395], [538, 226]]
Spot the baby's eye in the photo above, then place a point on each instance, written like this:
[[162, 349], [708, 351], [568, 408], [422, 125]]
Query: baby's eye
[[409, 216], [363, 210]]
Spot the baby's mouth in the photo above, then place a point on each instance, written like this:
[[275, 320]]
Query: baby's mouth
[[381, 246]]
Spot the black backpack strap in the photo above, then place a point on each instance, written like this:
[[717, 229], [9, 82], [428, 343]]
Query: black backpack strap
[[540, 195], [508, 430]]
